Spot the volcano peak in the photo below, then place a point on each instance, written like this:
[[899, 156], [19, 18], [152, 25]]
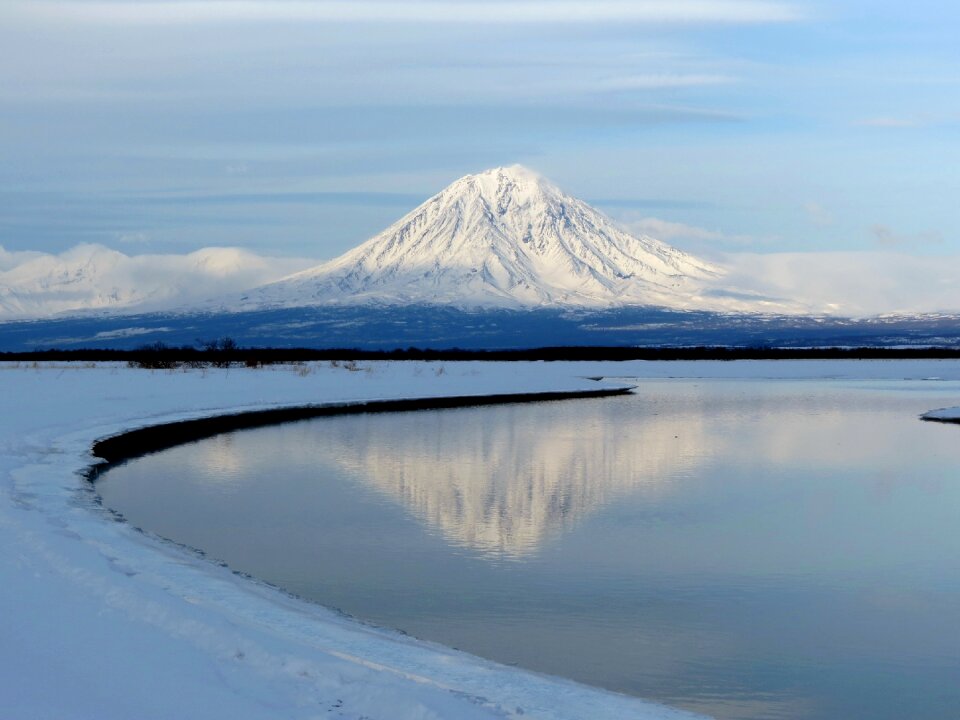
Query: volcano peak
[[504, 237]]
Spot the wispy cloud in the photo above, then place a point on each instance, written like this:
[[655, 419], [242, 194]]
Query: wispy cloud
[[850, 283], [670, 231], [10, 260], [134, 237], [818, 214], [885, 237], [181, 12], [664, 81], [889, 122]]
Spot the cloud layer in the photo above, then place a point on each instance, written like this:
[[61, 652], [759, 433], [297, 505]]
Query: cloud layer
[[185, 12], [93, 277], [851, 284]]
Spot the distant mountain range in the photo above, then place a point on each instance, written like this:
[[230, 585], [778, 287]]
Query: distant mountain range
[[502, 258], [502, 239], [95, 279]]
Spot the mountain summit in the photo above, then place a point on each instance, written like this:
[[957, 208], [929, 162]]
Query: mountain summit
[[501, 238]]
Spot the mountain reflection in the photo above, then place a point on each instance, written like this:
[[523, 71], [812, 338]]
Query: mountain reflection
[[504, 485]]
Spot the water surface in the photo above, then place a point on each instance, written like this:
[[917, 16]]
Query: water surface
[[747, 549]]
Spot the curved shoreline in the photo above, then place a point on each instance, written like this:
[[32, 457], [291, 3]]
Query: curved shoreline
[[115, 449], [106, 614], [151, 438]]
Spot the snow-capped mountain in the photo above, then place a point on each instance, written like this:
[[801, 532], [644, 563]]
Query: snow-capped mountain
[[505, 238], [502, 238]]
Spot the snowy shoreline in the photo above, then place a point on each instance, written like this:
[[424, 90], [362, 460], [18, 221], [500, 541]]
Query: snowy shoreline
[[102, 621]]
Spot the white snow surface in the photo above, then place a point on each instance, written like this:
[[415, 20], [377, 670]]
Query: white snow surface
[[506, 238], [101, 621]]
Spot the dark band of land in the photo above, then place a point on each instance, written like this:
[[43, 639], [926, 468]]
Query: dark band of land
[[162, 356]]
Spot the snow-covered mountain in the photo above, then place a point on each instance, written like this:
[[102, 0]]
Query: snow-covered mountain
[[93, 277], [503, 238]]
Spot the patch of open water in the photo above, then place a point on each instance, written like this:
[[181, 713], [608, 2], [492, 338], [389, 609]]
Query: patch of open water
[[746, 549]]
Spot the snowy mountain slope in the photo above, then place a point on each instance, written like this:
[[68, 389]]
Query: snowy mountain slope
[[93, 277], [504, 238]]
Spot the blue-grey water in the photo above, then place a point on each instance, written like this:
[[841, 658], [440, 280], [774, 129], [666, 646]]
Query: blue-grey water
[[747, 549]]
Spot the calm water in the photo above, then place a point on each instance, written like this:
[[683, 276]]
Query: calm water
[[747, 549]]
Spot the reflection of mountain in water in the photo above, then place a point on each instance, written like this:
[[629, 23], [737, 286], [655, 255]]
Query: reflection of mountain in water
[[503, 481]]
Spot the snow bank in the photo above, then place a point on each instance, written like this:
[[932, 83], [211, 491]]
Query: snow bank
[[951, 414], [100, 621]]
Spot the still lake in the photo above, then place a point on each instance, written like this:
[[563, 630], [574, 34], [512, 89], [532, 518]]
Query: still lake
[[742, 548]]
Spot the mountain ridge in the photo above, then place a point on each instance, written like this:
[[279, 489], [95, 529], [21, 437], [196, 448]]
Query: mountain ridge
[[504, 238]]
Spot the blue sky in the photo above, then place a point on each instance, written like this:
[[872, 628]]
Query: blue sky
[[300, 128]]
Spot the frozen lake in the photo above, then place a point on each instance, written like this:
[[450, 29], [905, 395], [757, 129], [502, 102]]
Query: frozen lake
[[743, 548]]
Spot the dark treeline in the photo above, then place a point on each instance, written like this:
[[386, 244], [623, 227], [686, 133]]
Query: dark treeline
[[225, 353]]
